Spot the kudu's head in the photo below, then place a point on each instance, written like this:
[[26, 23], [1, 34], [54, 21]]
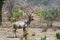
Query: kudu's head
[[30, 19], [30, 16]]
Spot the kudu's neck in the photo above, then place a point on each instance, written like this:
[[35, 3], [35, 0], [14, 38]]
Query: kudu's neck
[[29, 20]]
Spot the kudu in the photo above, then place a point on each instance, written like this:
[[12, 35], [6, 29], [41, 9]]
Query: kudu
[[22, 24]]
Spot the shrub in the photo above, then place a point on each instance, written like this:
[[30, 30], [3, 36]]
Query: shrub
[[17, 13], [58, 35], [49, 15], [43, 38], [14, 20]]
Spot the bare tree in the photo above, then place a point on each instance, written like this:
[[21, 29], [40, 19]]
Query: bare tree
[[28, 9], [9, 5]]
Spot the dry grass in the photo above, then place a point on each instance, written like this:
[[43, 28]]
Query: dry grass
[[6, 34]]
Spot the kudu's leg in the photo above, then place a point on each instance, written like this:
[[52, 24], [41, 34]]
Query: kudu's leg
[[15, 30], [24, 33]]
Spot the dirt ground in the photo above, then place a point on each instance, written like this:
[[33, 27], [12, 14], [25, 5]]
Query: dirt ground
[[7, 34]]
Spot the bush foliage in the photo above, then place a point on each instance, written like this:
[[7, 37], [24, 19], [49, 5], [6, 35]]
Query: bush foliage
[[58, 35], [16, 14], [49, 15]]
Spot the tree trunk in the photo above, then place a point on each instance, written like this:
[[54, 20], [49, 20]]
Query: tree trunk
[[1, 4]]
